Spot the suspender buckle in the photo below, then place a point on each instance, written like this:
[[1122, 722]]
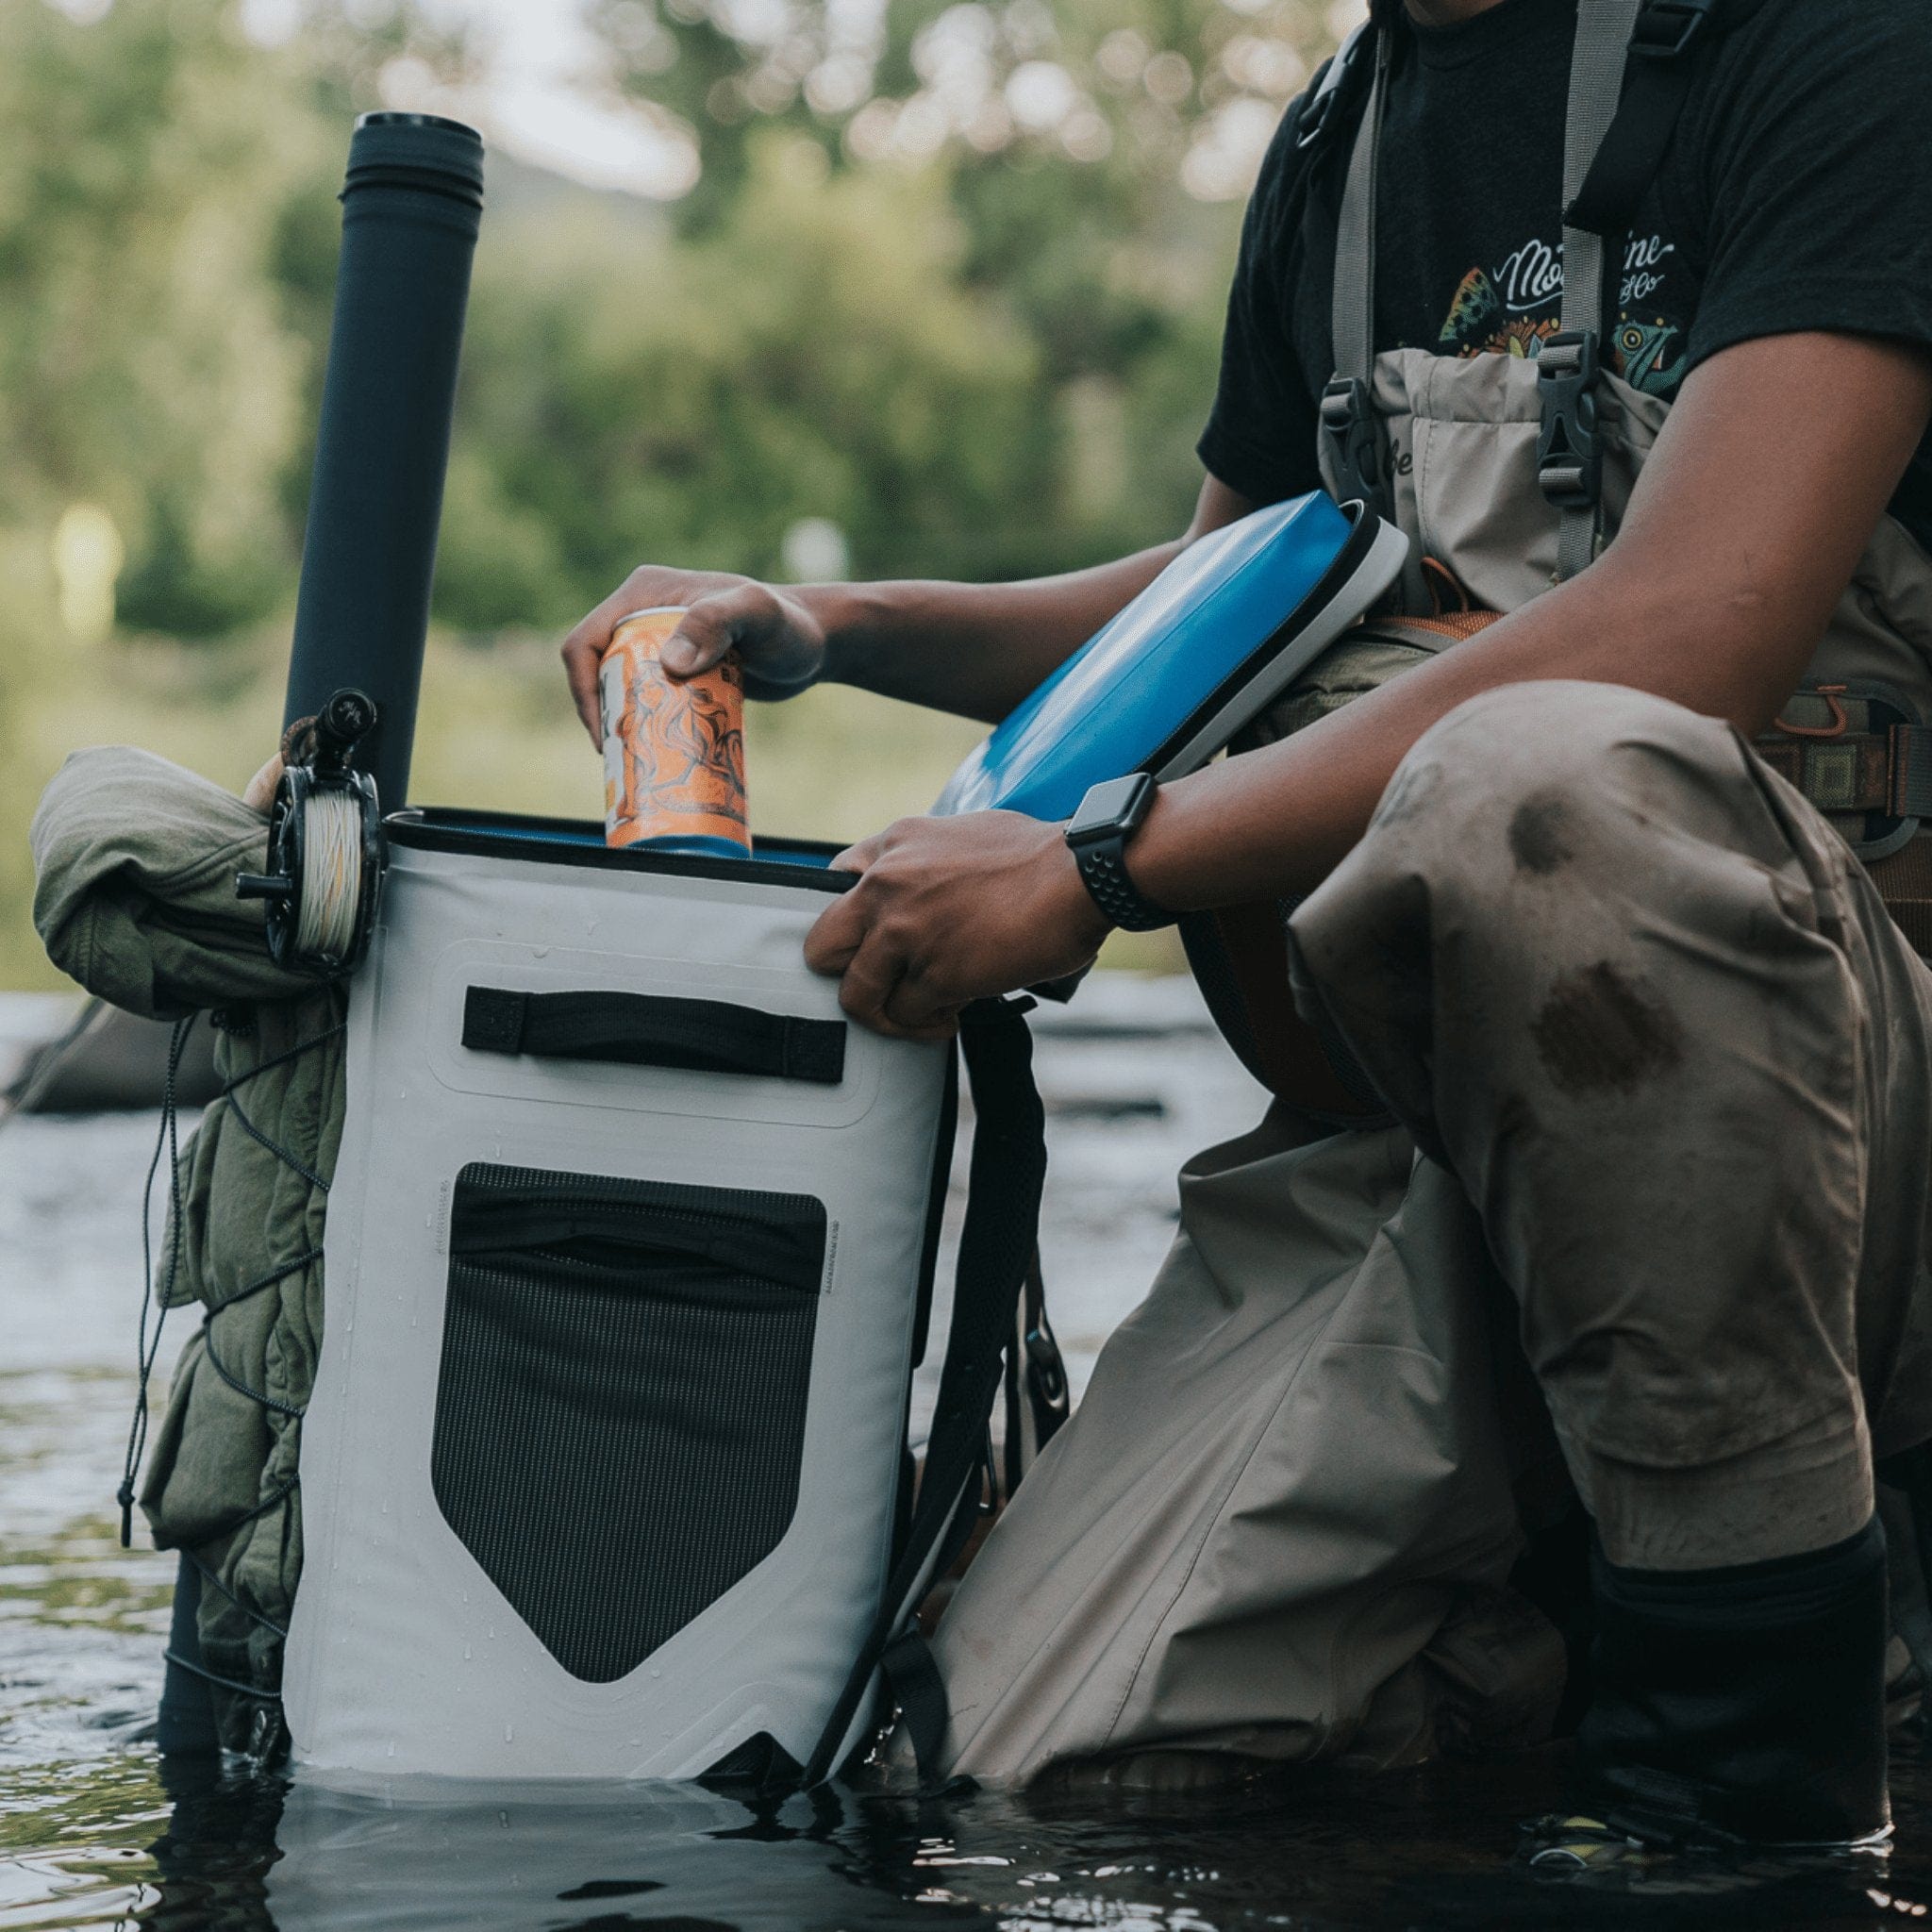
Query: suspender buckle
[[1354, 450], [1668, 29], [1569, 453]]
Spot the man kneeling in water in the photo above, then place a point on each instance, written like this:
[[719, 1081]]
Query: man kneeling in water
[[1651, 1063]]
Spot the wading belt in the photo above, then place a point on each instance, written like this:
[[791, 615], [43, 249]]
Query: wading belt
[[1888, 771], [1862, 760]]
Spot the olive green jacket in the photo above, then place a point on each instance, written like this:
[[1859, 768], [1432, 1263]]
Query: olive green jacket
[[136, 860]]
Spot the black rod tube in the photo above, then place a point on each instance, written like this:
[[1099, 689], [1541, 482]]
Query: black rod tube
[[412, 200]]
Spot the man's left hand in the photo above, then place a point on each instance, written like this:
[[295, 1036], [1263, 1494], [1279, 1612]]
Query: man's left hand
[[950, 910]]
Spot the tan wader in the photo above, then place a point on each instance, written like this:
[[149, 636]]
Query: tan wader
[[1657, 1068]]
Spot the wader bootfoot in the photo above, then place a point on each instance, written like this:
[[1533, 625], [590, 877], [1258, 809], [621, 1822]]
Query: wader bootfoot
[[1737, 1710]]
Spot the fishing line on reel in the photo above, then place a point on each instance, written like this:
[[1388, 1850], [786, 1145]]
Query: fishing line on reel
[[325, 847]]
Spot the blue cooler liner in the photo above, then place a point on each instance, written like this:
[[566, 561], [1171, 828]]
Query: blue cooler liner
[[1214, 640]]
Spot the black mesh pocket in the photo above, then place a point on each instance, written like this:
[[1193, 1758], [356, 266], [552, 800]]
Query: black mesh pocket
[[619, 1415]]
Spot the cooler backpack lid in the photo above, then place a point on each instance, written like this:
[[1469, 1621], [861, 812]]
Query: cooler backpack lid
[[1214, 640]]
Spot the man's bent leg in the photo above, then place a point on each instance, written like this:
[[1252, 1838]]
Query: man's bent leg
[[1630, 989], [1289, 1469]]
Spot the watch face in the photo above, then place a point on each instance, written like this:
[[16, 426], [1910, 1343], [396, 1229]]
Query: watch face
[[1110, 806]]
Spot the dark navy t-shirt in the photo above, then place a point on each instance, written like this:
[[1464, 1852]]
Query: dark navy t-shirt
[[1796, 194]]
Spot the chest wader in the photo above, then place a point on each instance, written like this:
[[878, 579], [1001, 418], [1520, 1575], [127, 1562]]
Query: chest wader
[[1509, 474], [630, 1254]]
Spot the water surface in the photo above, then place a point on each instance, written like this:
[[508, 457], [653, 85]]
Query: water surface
[[96, 1831]]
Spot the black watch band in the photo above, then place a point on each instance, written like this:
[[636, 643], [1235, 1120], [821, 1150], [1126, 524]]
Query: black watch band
[[1097, 836]]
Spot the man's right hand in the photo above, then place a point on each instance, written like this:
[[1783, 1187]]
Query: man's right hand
[[778, 641]]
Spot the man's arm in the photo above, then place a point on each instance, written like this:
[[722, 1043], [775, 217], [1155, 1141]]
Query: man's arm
[[1744, 528], [974, 649]]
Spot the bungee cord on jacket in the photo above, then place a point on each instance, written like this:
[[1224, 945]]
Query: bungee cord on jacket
[[168, 1142]]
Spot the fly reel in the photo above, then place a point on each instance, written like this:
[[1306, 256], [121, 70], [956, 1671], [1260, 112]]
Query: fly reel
[[324, 848]]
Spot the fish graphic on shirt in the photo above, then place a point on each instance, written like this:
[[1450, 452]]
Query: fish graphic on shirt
[[1640, 351]]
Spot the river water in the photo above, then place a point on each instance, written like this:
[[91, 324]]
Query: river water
[[98, 1831]]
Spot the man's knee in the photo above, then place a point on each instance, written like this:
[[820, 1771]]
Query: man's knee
[[1588, 886], [1543, 784]]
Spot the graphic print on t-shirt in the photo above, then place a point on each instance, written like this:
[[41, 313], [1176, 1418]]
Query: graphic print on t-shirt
[[1514, 307]]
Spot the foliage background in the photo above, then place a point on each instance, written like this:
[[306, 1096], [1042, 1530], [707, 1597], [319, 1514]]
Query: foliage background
[[946, 278]]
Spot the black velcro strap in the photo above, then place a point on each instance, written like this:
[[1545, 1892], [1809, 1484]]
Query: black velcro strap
[[1656, 85], [996, 1247], [919, 1691], [654, 1030]]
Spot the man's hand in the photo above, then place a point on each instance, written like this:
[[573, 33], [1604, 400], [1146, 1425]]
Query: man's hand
[[780, 643], [952, 910], [259, 794]]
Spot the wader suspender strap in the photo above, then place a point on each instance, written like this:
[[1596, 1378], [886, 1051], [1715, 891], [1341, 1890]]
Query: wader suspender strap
[[1614, 140], [1349, 425], [996, 1249], [1569, 454]]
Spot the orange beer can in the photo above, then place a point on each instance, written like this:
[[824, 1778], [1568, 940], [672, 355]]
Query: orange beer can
[[673, 752]]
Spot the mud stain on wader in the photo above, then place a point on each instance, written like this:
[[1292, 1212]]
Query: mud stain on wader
[[1537, 840], [1598, 1032]]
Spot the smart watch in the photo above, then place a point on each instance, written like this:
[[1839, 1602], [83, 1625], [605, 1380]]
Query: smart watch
[[1098, 835]]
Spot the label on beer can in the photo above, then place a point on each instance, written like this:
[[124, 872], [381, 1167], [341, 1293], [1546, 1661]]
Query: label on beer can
[[673, 752]]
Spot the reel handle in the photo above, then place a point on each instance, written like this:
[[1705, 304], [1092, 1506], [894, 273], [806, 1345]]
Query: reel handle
[[341, 723]]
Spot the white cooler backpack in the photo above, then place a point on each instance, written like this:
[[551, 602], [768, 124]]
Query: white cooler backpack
[[629, 1250]]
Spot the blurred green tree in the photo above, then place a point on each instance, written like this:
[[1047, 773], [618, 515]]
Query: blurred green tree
[[144, 362], [813, 353], [1096, 154]]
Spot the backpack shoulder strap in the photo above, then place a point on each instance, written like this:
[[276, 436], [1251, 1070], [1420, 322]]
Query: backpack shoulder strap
[[1656, 85], [1340, 84], [996, 1249]]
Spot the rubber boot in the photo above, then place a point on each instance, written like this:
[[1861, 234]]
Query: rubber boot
[[1742, 1706]]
